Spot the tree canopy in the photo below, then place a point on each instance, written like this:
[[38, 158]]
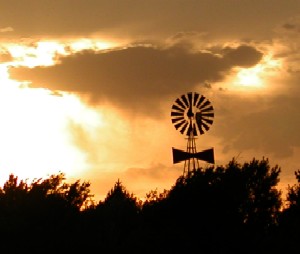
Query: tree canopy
[[236, 208]]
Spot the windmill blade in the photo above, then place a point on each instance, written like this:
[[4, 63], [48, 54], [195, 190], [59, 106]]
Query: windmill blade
[[196, 97], [184, 127], [175, 120], [207, 109], [180, 103], [175, 113], [190, 97], [179, 124], [175, 107], [198, 117], [207, 114], [185, 100], [201, 130], [202, 98], [190, 129], [209, 121], [199, 125], [206, 103], [195, 130], [206, 127]]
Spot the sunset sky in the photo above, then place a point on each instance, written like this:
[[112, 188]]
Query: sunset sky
[[87, 86]]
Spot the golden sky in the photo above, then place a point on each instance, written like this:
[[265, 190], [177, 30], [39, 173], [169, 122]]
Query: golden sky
[[87, 86]]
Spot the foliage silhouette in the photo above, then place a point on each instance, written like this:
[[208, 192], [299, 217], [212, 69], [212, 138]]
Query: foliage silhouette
[[236, 208], [218, 209], [286, 238], [41, 212], [111, 220]]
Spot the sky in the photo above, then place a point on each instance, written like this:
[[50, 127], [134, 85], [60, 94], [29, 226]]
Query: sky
[[87, 86]]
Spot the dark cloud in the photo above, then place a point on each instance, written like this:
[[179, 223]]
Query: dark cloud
[[220, 18], [136, 78], [289, 26], [244, 56]]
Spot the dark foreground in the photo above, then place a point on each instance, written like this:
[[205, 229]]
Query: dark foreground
[[225, 209]]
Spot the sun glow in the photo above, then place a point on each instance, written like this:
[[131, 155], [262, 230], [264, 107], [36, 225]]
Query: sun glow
[[35, 140], [41, 54], [256, 76], [250, 77], [85, 43], [35, 135], [46, 53]]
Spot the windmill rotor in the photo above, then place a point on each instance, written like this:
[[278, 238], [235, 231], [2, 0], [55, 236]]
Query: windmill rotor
[[192, 113]]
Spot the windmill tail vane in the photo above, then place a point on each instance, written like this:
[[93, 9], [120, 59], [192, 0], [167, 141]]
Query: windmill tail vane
[[192, 115], [205, 155]]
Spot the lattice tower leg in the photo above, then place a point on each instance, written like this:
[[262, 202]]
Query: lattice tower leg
[[192, 163]]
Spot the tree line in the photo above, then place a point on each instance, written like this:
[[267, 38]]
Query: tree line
[[236, 208]]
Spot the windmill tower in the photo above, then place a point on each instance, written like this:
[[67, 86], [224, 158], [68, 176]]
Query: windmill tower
[[192, 114]]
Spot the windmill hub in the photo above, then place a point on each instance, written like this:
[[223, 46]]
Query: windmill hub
[[192, 114]]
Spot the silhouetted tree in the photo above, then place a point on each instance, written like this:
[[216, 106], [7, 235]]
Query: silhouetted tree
[[41, 212], [153, 202], [120, 207], [220, 209], [261, 208], [293, 195], [286, 239], [111, 221], [217, 209]]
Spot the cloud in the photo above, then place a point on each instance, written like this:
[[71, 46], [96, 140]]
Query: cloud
[[148, 18], [269, 125], [243, 56], [287, 41], [137, 78], [291, 26], [6, 57], [6, 29]]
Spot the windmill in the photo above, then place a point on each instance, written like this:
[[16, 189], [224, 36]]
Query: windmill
[[192, 115]]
